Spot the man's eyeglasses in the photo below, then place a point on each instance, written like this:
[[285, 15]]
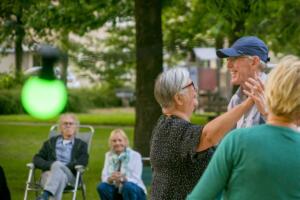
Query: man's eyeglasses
[[67, 123], [188, 85]]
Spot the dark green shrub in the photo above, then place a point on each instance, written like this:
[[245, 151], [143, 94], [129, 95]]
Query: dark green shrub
[[104, 97], [78, 101], [10, 102], [7, 81]]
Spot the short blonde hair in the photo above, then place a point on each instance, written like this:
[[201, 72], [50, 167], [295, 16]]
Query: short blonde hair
[[122, 133], [283, 88]]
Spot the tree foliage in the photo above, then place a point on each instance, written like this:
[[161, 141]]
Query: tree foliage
[[13, 23], [51, 21], [283, 26], [214, 23], [111, 57], [77, 16]]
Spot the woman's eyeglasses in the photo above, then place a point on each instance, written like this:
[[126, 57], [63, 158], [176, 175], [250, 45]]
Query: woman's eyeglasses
[[188, 85]]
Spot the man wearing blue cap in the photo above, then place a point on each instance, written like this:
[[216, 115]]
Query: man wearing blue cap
[[245, 60]]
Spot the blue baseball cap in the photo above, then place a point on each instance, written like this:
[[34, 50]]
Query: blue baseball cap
[[248, 45]]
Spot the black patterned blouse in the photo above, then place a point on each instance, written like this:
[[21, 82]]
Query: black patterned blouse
[[176, 166]]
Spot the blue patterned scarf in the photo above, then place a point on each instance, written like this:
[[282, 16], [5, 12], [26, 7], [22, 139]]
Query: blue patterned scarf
[[119, 162]]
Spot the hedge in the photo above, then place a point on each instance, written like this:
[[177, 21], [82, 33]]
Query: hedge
[[79, 100]]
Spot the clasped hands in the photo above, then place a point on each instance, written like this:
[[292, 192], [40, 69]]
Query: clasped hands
[[117, 178]]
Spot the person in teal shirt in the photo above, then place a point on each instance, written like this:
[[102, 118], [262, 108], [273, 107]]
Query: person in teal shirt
[[262, 162]]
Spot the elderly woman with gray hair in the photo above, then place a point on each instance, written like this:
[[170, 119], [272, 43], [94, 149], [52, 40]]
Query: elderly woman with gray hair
[[180, 150], [261, 162]]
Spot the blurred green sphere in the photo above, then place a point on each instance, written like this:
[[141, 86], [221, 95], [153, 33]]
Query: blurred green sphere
[[42, 98]]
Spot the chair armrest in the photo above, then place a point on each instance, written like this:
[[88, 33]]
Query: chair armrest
[[145, 158], [30, 165], [80, 168]]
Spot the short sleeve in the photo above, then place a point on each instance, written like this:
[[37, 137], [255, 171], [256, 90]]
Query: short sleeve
[[189, 143]]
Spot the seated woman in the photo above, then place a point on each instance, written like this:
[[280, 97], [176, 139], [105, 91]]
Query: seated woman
[[261, 162], [121, 174]]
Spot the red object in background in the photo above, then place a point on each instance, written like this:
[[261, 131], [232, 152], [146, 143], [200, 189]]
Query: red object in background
[[207, 79]]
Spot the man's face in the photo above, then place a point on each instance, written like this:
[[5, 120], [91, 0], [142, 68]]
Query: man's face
[[68, 127], [241, 68]]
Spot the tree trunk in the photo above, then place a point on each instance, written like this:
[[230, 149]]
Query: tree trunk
[[65, 56], [219, 44], [18, 47], [64, 70], [149, 65]]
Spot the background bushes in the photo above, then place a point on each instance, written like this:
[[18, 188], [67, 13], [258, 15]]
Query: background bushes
[[10, 102], [79, 100], [7, 81]]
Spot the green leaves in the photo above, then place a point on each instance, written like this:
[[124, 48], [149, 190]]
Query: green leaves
[[204, 22]]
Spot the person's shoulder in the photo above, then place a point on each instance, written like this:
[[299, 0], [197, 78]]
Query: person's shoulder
[[79, 140], [80, 143], [108, 153], [181, 125], [52, 139], [134, 153], [49, 142], [171, 121], [237, 134], [252, 130], [245, 133], [168, 125]]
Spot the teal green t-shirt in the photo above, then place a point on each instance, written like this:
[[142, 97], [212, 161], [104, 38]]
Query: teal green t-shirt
[[262, 162]]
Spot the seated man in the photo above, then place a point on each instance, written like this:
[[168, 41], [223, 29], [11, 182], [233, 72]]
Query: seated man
[[58, 157]]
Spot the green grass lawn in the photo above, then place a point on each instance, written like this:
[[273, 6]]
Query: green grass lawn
[[20, 141], [126, 119], [18, 144], [113, 118]]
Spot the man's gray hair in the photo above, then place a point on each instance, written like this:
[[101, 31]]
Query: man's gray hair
[[169, 83], [262, 65], [73, 116]]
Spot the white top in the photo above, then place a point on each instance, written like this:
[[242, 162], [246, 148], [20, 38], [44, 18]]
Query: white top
[[135, 168]]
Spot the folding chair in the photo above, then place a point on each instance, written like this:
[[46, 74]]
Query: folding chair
[[85, 133]]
